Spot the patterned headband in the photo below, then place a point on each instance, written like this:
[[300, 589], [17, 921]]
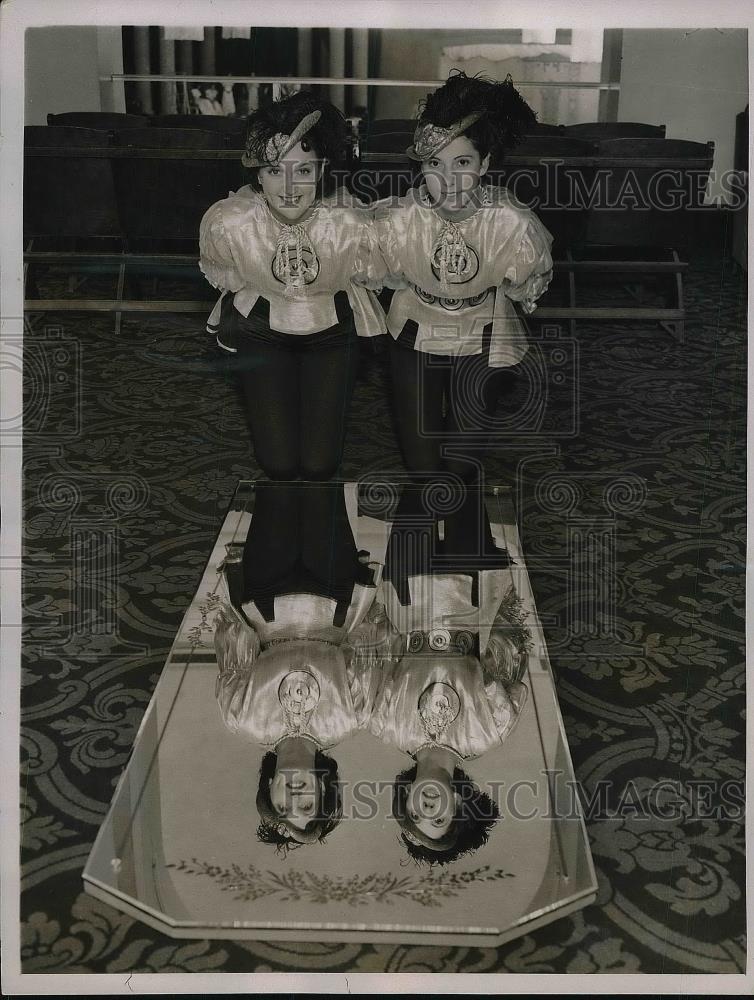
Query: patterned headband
[[429, 138], [279, 144]]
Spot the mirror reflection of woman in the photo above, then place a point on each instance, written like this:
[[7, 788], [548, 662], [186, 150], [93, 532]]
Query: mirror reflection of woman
[[293, 253], [293, 676], [455, 687]]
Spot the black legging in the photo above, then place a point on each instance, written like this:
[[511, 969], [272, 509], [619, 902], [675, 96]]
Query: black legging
[[414, 547], [442, 407], [297, 391], [300, 540]]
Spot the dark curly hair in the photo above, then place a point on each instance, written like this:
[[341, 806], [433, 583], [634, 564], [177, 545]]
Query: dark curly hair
[[327, 138], [274, 830], [469, 831], [505, 118]]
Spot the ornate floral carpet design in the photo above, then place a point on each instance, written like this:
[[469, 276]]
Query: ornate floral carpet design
[[630, 492]]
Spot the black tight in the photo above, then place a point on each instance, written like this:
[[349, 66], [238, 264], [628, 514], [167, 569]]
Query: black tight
[[442, 407], [297, 392], [299, 540], [414, 546]]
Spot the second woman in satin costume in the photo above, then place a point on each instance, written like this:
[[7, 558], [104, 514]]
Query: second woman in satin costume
[[293, 254], [459, 253]]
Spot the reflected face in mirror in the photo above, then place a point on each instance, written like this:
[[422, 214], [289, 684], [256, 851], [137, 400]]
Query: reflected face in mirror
[[290, 186], [454, 172], [298, 805], [431, 805], [295, 796], [448, 825]]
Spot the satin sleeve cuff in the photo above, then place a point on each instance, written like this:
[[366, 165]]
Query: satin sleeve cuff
[[215, 255], [389, 245], [371, 646], [506, 704], [528, 275], [236, 643], [369, 268]]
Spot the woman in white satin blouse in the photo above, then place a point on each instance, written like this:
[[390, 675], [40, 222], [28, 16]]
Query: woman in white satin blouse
[[293, 255]]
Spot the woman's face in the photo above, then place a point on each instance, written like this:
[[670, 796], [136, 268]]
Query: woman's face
[[290, 186], [431, 805], [453, 173], [295, 796]]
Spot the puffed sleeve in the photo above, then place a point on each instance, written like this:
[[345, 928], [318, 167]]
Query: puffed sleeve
[[368, 656], [529, 271], [506, 702], [389, 243], [382, 720], [215, 255], [369, 268], [506, 655], [237, 647], [504, 663]]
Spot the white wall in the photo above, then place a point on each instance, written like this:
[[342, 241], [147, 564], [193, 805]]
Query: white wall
[[694, 82], [110, 60], [414, 54], [62, 70]]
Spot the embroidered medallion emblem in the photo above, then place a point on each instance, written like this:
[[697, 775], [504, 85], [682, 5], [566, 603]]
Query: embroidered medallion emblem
[[295, 264], [299, 695], [453, 261], [439, 706]]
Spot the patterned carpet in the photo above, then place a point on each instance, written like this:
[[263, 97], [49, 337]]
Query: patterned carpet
[[630, 489]]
